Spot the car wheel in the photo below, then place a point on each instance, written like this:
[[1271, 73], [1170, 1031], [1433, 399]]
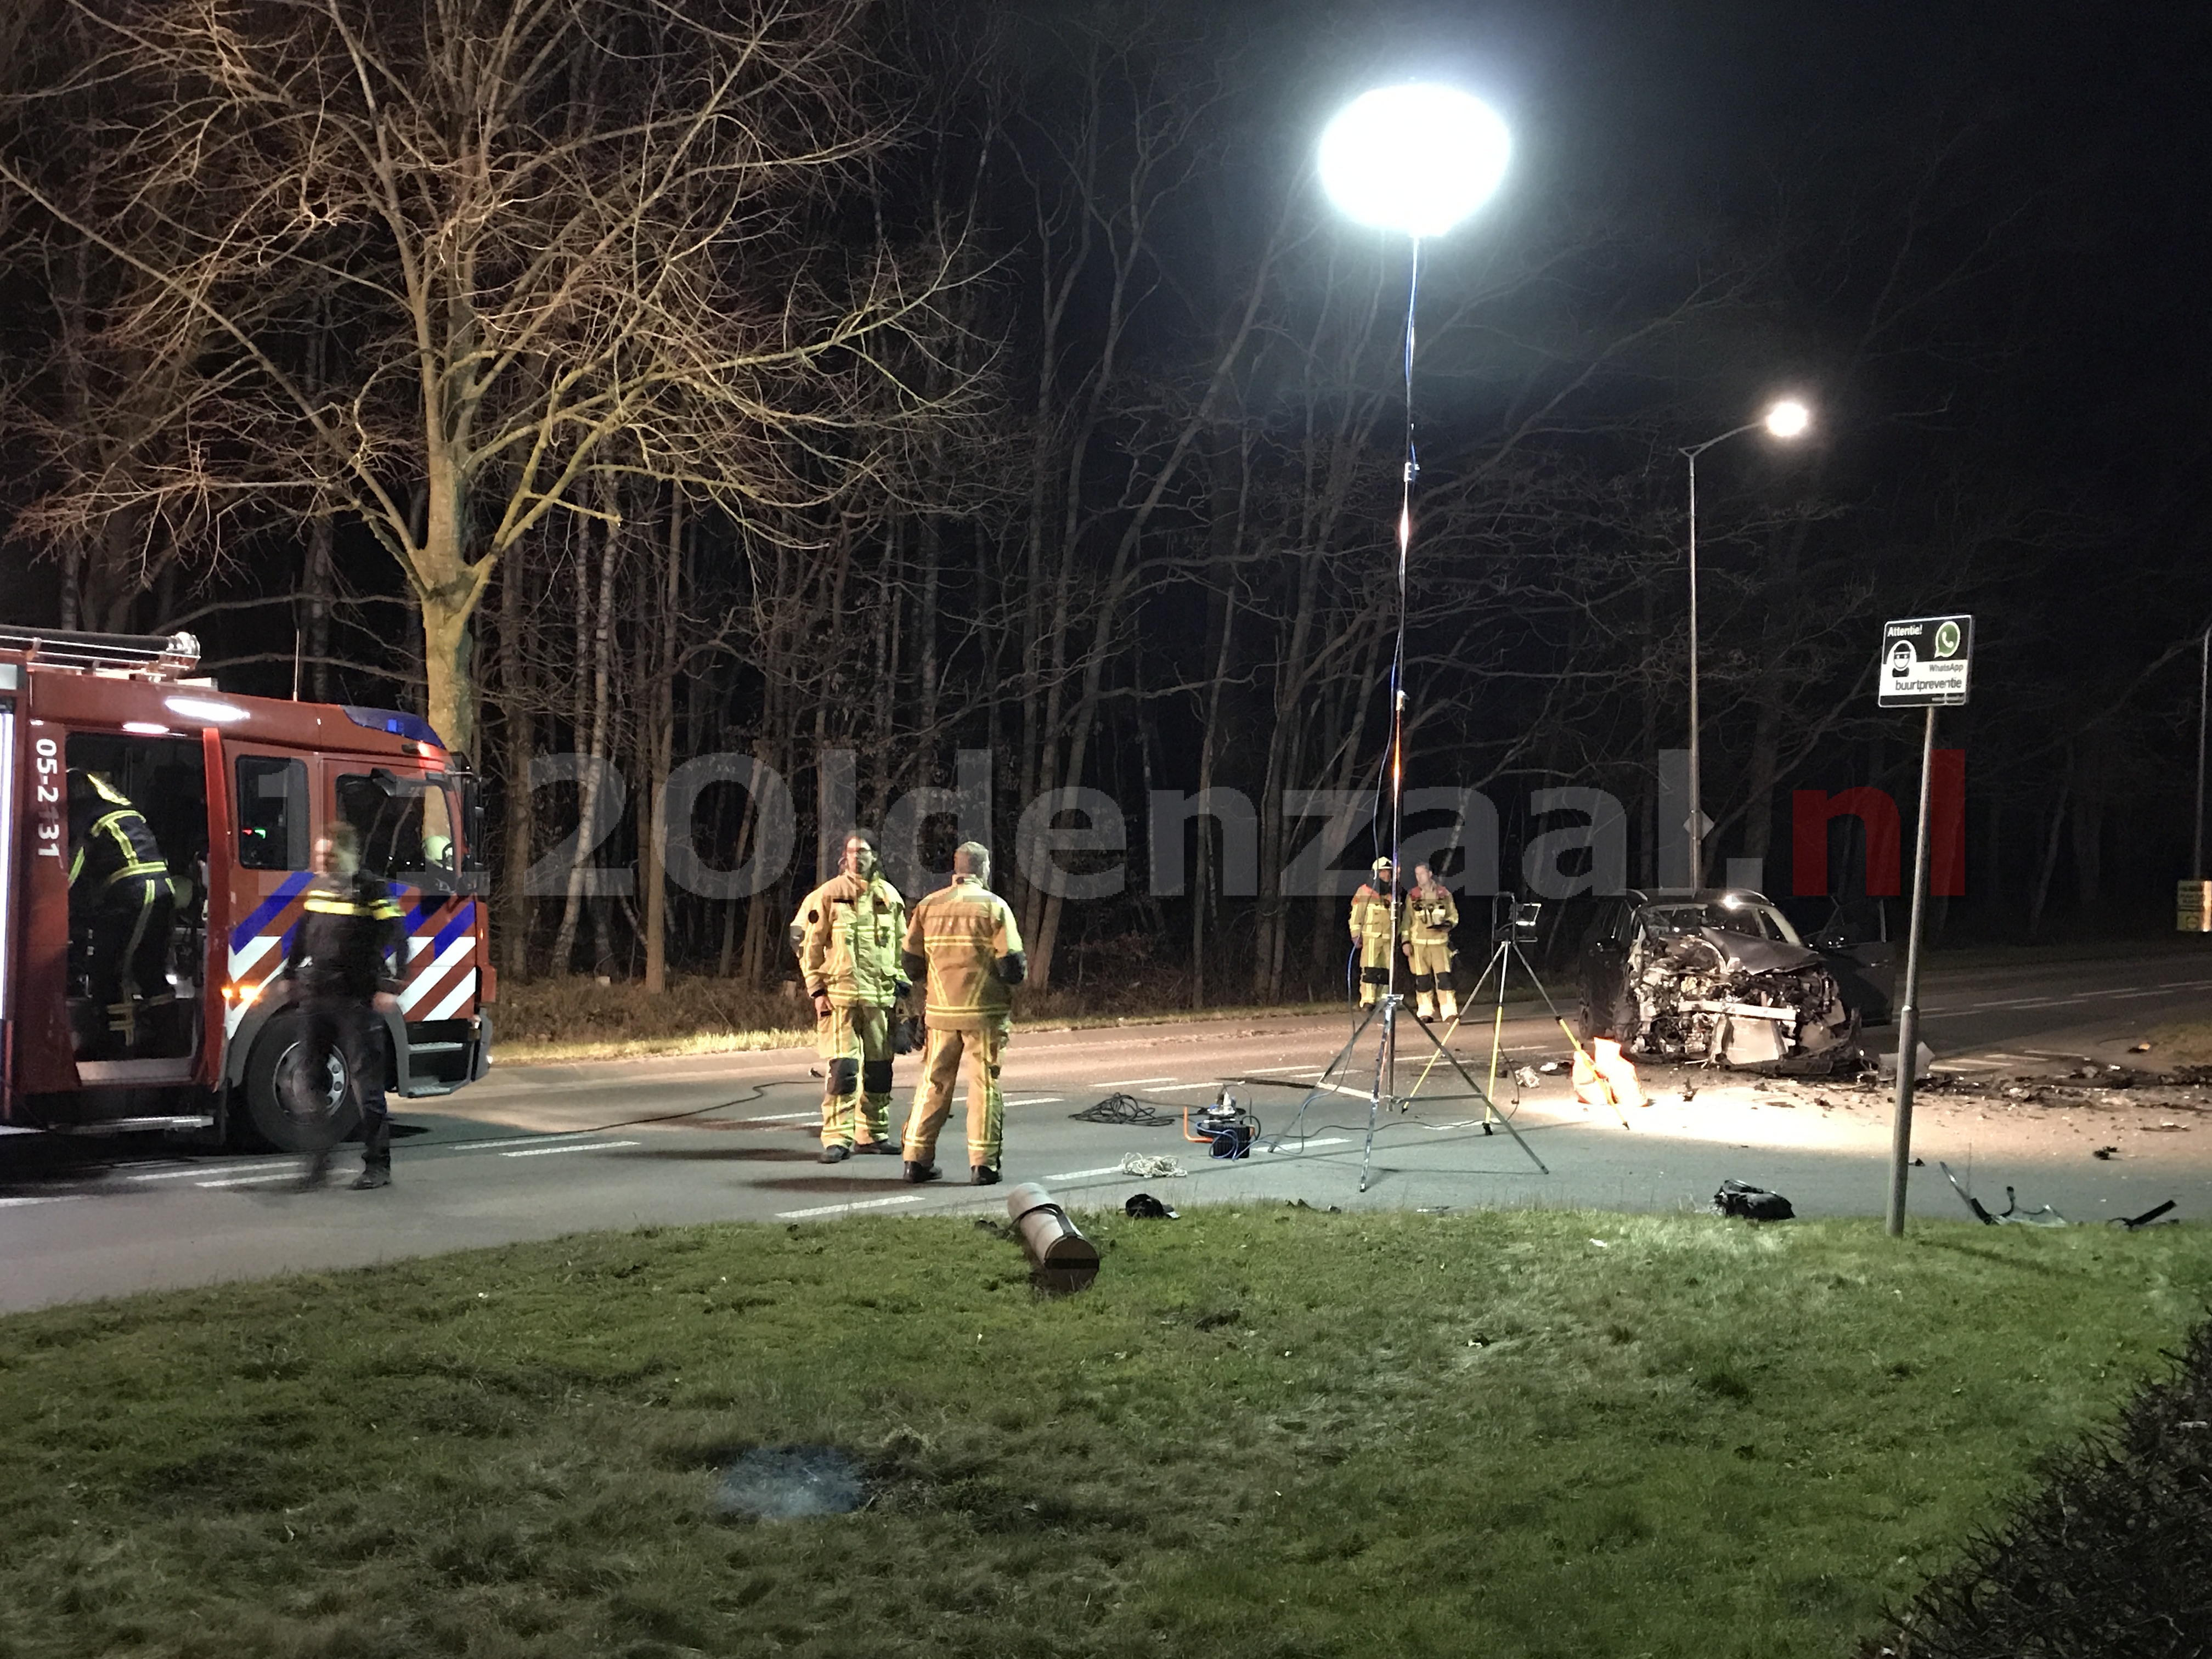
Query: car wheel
[[277, 1083]]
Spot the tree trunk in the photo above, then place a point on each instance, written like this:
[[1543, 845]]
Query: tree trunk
[[602, 637], [521, 731], [661, 760]]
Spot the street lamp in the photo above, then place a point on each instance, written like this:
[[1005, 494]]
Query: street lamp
[[1786, 419], [1415, 158]]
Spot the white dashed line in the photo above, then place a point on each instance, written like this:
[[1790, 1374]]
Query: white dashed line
[[252, 1180], [19, 1203], [1037, 1100], [572, 1146], [1129, 1082], [200, 1170], [858, 1204]]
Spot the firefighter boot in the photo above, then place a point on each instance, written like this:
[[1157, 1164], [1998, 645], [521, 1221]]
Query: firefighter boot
[[918, 1173], [1425, 997], [1446, 1000], [372, 1176]]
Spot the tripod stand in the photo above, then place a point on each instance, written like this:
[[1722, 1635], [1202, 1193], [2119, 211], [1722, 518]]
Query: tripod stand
[[1383, 1092], [1519, 931]]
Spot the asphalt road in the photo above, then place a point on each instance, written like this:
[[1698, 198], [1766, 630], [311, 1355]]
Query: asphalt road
[[539, 1151]]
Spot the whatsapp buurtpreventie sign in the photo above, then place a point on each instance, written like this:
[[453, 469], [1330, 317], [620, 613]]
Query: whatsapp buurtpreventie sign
[[1924, 661]]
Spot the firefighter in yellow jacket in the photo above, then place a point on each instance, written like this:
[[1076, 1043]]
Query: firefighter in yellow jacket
[[963, 942], [848, 933], [1430, 914], [1371, 932], [120, 889]]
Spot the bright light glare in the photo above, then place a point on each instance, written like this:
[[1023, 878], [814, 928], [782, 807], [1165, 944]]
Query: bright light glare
[[1788, 418], [199, 708], [1416, 158], [145, 729]]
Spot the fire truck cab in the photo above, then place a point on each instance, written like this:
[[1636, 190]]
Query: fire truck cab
[[140, 984]]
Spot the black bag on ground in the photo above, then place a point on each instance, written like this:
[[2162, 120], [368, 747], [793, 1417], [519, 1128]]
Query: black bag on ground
[[1741, 1198]]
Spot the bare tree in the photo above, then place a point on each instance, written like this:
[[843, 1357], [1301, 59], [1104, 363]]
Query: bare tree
[[561, 238]]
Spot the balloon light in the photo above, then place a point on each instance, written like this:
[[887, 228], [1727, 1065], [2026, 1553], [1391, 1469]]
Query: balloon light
[[1416, 158]]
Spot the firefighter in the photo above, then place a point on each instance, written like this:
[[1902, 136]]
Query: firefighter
[[120, 889], [1430, 914], [849, 934], [1370, 931], [961, 942], [338, 964]]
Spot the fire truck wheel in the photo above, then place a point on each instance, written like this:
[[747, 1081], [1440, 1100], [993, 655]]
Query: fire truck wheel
[[272, 1071]]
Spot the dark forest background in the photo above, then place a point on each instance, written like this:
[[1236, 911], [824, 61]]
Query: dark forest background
[[646, 381]]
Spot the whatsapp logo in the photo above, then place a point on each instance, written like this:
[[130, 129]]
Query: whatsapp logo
[[1947, 639]]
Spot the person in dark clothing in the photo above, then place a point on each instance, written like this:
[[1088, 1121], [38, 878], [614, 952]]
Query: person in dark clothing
[[338, 964], [120, 891]]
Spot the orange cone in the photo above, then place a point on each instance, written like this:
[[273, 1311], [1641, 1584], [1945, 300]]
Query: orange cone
[[1590, 1089], [1617, 1072]]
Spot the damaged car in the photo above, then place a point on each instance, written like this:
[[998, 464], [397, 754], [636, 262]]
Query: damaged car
[[1718, 978]]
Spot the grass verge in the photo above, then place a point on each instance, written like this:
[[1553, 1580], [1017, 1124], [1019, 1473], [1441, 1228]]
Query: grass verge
[[1268, 1433]]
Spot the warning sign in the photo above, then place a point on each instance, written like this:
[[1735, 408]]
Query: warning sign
[[1924, 660]]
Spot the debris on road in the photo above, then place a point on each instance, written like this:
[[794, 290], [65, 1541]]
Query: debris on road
[[2148, 1217], [1741, 1199], [1153, 1166], [2011, 1215], [1143, 1206]]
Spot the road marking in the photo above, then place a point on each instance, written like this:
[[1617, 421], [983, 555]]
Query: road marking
[[782, 1117], [1129, 1082], [252, 1180], [572, 1146], [1257, 1070], [1037, 1100], [858, 1204], [199, 1169], [1184, 1088], [1085, 1175], [510, 1141], [18, 1203], [1283, 1143]]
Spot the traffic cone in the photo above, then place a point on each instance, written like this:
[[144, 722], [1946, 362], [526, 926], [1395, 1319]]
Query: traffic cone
[[1590, 1089], [1617, 1072]]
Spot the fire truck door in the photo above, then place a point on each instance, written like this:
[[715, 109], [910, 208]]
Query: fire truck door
[[138, 901], [405, 822]]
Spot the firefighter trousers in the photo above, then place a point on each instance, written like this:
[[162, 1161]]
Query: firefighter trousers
[[856, 1090], [1433, 995], [350, 1029], [1374, 966], [129, 963], [933, 1097]]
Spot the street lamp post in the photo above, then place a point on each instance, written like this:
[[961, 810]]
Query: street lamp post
[[1416, 159], [1786, 419]]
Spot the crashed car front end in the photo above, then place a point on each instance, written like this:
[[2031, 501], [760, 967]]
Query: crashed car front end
[[1711, 995]]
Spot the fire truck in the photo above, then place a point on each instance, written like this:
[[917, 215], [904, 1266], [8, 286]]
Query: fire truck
[[195, 1032]]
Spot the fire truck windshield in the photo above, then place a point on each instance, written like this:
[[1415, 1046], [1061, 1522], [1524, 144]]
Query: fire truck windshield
[[406, 824]]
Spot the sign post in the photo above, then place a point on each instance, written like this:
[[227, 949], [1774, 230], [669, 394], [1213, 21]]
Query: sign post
[[1924, 665]]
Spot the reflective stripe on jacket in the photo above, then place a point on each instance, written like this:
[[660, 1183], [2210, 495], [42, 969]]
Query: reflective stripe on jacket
[[1370, 916], [1430, 914], [350, 926], [110, 842], [849, 934], [962, 932]]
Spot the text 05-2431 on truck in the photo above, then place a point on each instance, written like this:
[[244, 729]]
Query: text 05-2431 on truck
[[155, 839]]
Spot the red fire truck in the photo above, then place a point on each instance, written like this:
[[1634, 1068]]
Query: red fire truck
[[232, 791]]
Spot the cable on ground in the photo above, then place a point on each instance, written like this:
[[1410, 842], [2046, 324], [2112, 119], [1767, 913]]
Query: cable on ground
[[1124, 1110]]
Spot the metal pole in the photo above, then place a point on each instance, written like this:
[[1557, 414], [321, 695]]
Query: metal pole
[[2196, 825], [1908, 1017], [1386, 1083], [1696, 825]]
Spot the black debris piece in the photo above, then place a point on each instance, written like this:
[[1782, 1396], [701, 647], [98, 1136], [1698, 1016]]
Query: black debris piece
[[1750, 1203]]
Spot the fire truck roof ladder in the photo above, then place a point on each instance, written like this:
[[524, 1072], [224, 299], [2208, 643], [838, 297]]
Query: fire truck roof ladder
[[165, 656]]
